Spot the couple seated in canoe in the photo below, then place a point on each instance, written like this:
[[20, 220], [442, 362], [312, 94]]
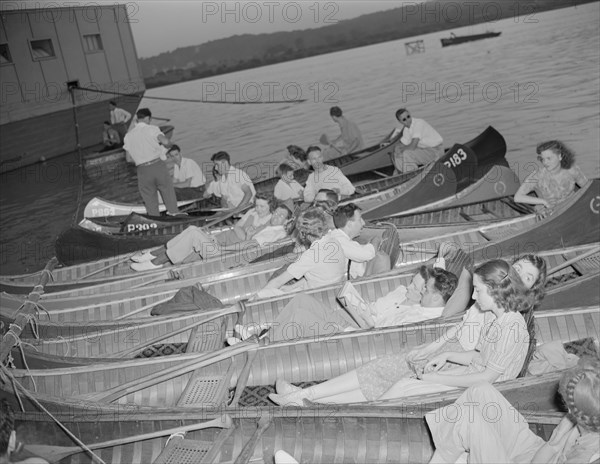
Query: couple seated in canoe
[[268, 222], [322, 177], [490, 344]]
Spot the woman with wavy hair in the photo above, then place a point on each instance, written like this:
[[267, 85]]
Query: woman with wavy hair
[[486, 427], [498, 355], [555, 180], [323, 263]]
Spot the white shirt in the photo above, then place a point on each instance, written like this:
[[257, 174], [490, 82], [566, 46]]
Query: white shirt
[[355, 252], [189, 168], [390, 310], [284, 191], [323, 263], [119, 115], [142, 143], [470, 329], [427, 135], [230, 186], [330, 178], [270, 234]]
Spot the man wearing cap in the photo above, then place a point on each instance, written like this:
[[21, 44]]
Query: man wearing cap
[[420, 144], [143, 143]]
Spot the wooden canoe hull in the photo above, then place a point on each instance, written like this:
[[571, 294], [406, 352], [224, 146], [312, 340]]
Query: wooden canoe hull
[[99, 207], [316, 435], [457, 40], [121, 387], [69, 343]]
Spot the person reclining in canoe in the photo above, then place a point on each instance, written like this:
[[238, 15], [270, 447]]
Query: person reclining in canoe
[[110, 138], [194, 241], [467, 426], [233, 186], [304, 316], [324, 177], [10, 450], [554, 181], [499, 290], [326, 260]]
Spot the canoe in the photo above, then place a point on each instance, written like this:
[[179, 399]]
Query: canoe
[[202, 381], [575, 222], [96, 159], [323, 434], [459, 39], [99, 207], [64, 342]]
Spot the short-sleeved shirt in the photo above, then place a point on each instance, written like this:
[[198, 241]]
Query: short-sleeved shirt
[[502, 347], [284, 191], [357, 253], [189, 169], [119, 115], [142, 143], [329, 178], [350, 134], [270, 234], [390, 310], [427, 135], [251, 219], [323, 263], [229, 186], [555, 187]]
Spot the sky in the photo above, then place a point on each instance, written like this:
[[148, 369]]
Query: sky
[[162, 25]]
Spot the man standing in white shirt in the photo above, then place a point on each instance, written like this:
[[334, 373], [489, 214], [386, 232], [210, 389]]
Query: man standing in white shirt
[[119, 118], [420, 144], [233, 186], [143, 143], [188, 178], [324, 177]]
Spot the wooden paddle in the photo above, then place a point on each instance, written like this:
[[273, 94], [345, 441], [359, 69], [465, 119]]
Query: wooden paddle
[[57, 453], [325, 141], [248, 450]]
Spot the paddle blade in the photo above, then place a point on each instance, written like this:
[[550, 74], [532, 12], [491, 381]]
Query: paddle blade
[[324, 140]]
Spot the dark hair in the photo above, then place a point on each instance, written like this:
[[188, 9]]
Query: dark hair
[[538, 289], [173, 148], [143, 113], [284, 168], [580, 390], [504, 285], [399, 113], [221, 156], [311, 224], [112, 102], [331, 199], [311, 149], [335, 111], [344, 213], [7, 425], [282, 204], [268, 198], [444, 282], [296, 152], [106, 122], [567, 156]]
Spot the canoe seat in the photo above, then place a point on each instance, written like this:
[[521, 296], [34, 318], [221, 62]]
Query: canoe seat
[[182, 451], [502, 232], [207, 337], [204, 389], [588, 264]]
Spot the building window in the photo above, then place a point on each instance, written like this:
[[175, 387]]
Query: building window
[[92, 43], [5, 57], [42, 49]]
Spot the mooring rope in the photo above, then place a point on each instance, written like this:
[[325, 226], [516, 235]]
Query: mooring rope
[[191, 100], [26, 392]]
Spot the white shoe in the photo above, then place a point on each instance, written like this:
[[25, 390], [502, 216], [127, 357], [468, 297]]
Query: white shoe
[[233, 341], [145, 266], [247, 331], [285, 388], [291, 399], [281, 457], [142, 257]]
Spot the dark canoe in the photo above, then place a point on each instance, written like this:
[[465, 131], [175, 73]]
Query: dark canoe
[[478, 162], [66, 343], [456, 40], [320, 434], [445, 220], [195, 382]]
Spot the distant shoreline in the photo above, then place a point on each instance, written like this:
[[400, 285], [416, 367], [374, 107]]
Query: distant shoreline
[[297, 45]]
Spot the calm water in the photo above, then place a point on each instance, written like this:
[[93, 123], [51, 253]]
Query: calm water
[[539, 80]]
